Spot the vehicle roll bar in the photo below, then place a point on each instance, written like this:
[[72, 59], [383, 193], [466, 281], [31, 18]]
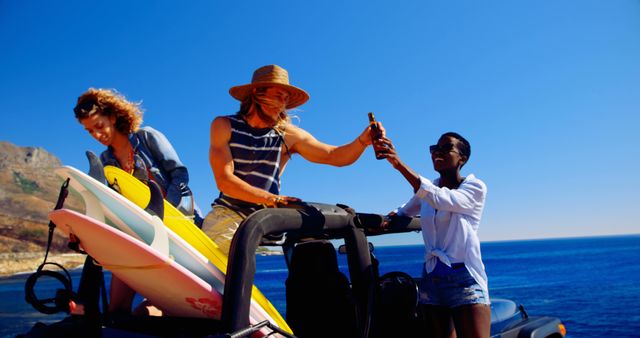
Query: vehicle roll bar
[[302, 220]]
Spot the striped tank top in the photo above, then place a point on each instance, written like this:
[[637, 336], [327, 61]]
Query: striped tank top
[[256, 154]]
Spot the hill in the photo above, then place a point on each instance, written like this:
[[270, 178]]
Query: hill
[[28, 191]]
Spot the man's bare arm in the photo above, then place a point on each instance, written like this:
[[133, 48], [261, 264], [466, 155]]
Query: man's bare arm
[[311, 149]]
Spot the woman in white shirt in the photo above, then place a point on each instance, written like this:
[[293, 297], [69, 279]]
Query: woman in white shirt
[[454, 296]]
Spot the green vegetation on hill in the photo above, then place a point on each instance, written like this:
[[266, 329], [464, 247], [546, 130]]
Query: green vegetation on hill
[[28, 186]]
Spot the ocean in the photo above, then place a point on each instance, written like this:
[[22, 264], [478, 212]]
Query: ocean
[[592, 284]]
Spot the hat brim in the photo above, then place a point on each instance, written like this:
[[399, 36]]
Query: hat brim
[[297, 96]]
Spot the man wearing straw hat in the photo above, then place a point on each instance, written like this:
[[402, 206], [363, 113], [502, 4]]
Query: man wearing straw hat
[[249, 151]]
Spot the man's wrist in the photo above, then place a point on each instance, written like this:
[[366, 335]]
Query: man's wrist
[[362, 143], [273, 200]]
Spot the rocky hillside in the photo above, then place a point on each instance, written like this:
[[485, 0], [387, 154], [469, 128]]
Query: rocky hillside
[[28, 191]]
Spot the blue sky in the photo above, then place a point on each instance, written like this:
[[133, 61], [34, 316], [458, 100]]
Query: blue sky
[[547, 92]]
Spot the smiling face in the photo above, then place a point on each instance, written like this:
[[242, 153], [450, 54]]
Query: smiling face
[[446, 155], [100, 127]]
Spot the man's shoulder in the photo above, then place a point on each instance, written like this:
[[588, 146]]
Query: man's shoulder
[[223, 121], [232, 117], [292, 129], [220, 130]]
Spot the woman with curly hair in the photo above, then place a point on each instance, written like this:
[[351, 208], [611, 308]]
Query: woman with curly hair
[[144, 152]]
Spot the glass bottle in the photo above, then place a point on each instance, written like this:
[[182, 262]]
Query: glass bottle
[[375, 134]]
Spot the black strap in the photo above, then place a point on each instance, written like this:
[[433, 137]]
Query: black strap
[[49, 305], [74, 244], [61, 301], [64, 192]]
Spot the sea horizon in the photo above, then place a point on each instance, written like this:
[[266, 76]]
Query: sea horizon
[[525, 239]]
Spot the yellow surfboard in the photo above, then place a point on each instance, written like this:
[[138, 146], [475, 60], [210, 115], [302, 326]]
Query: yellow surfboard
[[138, 193]]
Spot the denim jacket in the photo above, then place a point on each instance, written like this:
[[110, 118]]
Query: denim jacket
[[155, 159]]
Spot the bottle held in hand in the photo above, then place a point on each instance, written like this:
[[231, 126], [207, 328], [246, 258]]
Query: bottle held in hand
[[375, 134]]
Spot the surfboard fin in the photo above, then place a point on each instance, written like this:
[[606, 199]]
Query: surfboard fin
[[96, 169], [156, 202]]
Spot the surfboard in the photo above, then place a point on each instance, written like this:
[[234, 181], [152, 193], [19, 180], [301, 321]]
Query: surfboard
[[138, 192], [149, 269], [107, 206]]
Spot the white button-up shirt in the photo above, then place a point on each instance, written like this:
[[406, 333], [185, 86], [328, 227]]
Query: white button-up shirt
[[450, 219]]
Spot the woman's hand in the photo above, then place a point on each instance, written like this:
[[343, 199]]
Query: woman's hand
[[388, 219], [388, 151]]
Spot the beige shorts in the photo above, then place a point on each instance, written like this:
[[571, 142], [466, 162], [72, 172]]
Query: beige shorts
[[220, 225]]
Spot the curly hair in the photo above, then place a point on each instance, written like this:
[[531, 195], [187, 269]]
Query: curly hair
[[108, 102]]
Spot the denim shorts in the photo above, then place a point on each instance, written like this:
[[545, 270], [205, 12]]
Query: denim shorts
[[450, 287]]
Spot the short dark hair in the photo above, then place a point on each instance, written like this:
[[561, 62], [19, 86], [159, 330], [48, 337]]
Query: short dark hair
[[465, 148]]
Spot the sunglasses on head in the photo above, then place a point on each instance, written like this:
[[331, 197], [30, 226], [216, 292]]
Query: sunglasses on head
[[87, 108], [444, 149]]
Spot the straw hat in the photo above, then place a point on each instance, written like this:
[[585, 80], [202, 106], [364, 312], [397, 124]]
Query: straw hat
[[271, 76]]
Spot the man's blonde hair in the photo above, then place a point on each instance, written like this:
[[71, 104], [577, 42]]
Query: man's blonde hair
[[252, 105]]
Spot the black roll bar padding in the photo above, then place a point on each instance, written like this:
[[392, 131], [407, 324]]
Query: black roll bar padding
[[372, 224], [312, 219], [362, 275]]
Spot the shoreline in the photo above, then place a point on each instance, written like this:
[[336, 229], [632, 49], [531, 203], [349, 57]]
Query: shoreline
[[27, 262], [16, 263]]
